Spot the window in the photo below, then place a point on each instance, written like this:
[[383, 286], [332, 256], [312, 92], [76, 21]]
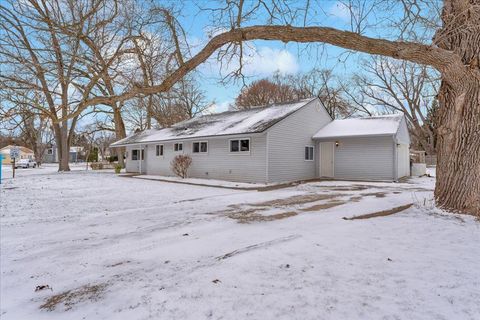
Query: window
[[136, 154], [200, 147], [240, 145], [50, 151], [159, 150], [309, 153], [178, 147]]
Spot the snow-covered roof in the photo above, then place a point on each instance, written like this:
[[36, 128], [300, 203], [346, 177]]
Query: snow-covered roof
[[254, 120], [368, 126], [6, 150]]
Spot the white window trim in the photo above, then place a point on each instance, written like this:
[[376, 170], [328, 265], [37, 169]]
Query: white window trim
[[179, 144], [239, 152], [199, 147], [163, 149], [313, 153]]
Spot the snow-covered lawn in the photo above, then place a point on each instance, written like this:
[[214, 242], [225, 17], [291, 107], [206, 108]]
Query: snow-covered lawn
[[113, 247]]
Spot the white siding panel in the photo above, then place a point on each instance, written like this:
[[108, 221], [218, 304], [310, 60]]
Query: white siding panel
[[402, 135], [365, 158], [287, 140], [218, 163]]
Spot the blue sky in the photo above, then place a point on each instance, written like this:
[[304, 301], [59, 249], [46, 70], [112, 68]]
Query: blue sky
[[266, 57]]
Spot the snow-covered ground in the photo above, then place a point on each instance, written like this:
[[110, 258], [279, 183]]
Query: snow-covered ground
[[113, 247]]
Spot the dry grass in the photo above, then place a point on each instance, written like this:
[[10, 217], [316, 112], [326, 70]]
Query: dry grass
[[72, 297], [381, 213], [355, 198], [296, 200], [323, 206], [252, 215], [375, 194]]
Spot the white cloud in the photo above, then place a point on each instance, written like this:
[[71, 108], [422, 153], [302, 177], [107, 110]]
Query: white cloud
[[265, 61], [340, 10], [257, 62]]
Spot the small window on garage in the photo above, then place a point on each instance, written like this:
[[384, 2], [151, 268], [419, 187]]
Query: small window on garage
[[159, 150], [309, 152], [178, 146], [240, 145], [200, 147]]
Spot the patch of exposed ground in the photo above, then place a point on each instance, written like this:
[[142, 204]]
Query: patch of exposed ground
[[382, 213], [298, 200], [68, 299], [375, 194], [256, 212], [253, 215], [355, 198], [323, 206]]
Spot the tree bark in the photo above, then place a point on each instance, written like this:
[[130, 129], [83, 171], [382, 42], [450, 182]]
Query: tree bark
[[64, 151], [458, 148], [120, 132], [458, 117]]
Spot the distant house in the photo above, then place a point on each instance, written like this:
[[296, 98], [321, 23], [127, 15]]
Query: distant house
[[284, 142], [25, 153], [51, 154]]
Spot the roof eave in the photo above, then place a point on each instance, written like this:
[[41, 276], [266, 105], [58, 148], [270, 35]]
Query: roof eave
[[256, 133], [355, 136]]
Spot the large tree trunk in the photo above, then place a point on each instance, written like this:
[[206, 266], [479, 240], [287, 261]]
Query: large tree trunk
[[458, 117], [458, 148], [64, 151], [120, 132]]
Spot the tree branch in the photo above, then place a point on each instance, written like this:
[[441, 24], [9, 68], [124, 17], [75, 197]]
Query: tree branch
[[441, 59]]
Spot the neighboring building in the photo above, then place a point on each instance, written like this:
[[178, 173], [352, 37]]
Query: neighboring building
[[51, 154], [284, 142], [25, 153]]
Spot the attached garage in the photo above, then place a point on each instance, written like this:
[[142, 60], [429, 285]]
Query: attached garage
[[373, 148]]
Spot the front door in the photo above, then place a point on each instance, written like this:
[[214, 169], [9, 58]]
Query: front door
[[326, 159]]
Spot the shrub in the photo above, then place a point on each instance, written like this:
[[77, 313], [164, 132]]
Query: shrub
[[180, 165], [118, 168]]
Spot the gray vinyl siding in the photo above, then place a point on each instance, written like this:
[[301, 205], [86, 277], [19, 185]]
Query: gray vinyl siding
[[217, 163], [287, 141], [402, 135], [364, 158]]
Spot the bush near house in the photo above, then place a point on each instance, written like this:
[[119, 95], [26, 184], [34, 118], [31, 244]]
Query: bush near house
[[180, 165], [118, 168]]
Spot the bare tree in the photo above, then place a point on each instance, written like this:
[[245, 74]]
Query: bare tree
[[265, 91], [43, 49], [19, 115], [184, 101], [320, 83], [393, 86], [325, 85]]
